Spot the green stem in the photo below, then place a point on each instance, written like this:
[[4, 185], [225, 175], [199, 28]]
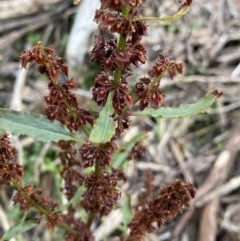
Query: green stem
[[85, 130], [158, 78], [90, 219], [43, 210], [117, 76], [68, 228], [70, 109], [121, 46], [98, 170], [181, 11]]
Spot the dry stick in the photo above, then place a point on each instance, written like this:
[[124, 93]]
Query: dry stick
[[177, 153], [16, 9], [225, 189], [208, 222], [215, 178], [38, 23]]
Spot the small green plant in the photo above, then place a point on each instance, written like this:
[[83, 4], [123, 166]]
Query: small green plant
[[92, 182]]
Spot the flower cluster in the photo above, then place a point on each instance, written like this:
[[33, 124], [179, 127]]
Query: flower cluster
[[61, 102], [108, 17], [117, 5], [45, 60], [147, 88], [102, 192], [103, 153], [122, 123], [71, 172], [30, 196], [121, 96], [10, 168], [169, 203], [110, 58], [117, 58], [148, 95], [83, 233], [148, 188], [163, 64], [137, 149]]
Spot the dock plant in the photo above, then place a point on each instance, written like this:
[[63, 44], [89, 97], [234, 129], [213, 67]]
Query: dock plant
[[92, 153]]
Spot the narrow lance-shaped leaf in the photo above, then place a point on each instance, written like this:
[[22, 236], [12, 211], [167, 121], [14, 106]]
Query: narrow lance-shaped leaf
[[181, 11], [20, 227], [182, 111], [103, 130], [127, 214], [34, 125]]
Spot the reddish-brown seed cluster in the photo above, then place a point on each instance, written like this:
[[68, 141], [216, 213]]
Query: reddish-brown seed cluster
[[110, 58], [171, 201], [165, 64], [114, 57], [44, 57], [118, 24], [61, 102], [83, 232], [122, 123], [121, 96], [103, 153], [30, 196], [148, 188], [151, 95], [71, 172], [10, 169], [25, 195], [116, 5], [63, 106], [137, 149], [148, 95], [102, 192]]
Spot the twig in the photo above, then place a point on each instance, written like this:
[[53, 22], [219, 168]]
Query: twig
[[228, 187], [216, 177], [39, 22]]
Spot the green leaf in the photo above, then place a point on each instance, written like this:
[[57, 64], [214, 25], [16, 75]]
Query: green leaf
[[2, 132], [76, 198], [17, 229], [104, 129], [181, 11], [120, 156], [127, 214], [34, 125], [182, 111]]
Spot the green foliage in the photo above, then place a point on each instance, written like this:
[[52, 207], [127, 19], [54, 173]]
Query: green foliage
[[103, 129], [19, 228], [183, 111], [34, 125], [181, 12], [127, 214]]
